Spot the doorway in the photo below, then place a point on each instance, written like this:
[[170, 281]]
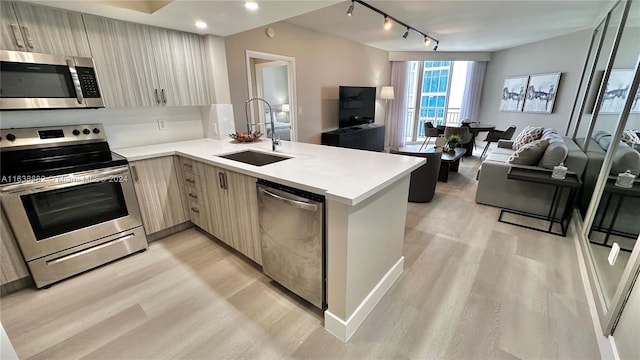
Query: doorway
[[272, 78]]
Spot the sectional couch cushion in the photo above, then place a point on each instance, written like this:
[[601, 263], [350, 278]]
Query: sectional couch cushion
[[625, 158], [556, 151], [529, 154], [529, 134]]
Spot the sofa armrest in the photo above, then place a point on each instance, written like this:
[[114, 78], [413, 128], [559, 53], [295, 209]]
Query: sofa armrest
[[505, 144]]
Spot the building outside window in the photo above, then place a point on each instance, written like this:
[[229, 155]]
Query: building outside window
[[435, 89]]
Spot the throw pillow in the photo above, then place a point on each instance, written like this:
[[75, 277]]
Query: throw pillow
[[630, 138], [529, 154], [526, 136], [599, 135], [555, 153]]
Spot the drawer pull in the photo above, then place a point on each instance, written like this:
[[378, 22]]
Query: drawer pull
[[188, 166], [190, 181], [193, 196], [195, 210]]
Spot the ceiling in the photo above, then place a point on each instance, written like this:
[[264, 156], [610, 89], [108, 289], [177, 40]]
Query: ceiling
[[476, 25]]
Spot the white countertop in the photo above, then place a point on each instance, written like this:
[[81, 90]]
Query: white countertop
[[343, 175]]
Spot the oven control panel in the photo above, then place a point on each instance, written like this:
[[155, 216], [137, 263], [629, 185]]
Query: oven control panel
[[42, 136]]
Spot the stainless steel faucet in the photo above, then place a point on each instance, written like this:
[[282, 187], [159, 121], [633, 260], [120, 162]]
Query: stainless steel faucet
[[274, 141]]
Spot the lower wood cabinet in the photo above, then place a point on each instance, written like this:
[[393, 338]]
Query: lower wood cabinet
[[227, 204], [12, 264], [159, 192]]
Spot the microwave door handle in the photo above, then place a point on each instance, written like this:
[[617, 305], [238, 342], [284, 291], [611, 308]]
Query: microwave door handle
[[76, 80]]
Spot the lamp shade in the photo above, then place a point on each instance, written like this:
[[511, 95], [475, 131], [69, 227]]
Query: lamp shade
[[387, 93]]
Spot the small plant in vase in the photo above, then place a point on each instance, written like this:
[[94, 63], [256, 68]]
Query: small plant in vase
[[453, 141]]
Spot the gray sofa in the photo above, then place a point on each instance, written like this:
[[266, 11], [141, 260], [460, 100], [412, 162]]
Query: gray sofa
[[496, 190], [626, 158]]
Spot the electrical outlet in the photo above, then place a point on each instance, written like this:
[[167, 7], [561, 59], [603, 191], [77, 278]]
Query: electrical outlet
[[613, 254], [162, 124], [214, 128], [300, 110]]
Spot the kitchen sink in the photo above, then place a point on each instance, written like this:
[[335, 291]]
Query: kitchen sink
[[254, 157]]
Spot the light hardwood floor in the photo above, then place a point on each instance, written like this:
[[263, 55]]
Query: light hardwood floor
[[472, 288]]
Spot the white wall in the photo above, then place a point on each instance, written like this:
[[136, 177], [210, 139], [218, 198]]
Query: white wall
[[124, 127], [322, 64], [564, 54]]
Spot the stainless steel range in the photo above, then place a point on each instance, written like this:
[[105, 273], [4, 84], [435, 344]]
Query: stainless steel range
[[69, 200]]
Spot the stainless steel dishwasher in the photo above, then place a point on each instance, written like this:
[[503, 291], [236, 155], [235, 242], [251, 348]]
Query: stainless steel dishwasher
[[292, 238]]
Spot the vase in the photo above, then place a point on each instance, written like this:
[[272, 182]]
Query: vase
[[452, 146]]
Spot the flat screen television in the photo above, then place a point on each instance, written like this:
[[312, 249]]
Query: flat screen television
[[356, 105]]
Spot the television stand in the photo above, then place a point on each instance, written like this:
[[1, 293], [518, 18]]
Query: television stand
[[363, 137]]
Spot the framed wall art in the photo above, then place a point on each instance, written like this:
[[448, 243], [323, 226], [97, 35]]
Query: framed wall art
[[541, 93], [615, 94], [513, 93]]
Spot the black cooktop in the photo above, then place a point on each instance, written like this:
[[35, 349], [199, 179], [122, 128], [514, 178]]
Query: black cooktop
[[33, 164]]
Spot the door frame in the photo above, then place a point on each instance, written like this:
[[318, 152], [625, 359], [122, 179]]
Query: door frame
[[290, 62]]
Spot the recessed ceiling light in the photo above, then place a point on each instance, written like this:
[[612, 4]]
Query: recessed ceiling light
[[201, 24], [251, 5]]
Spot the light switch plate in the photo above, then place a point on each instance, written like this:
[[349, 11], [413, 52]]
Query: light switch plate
[[613, 254], [162, 124], [214, 128]]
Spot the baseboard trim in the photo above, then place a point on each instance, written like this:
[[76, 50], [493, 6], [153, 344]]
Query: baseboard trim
[[343, 330]]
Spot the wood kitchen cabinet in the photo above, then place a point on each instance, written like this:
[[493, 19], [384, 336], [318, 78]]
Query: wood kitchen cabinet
[[160, 196], [12, 264], [43, 29], [229, 203], [144, 66]]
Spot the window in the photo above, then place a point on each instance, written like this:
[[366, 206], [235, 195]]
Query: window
[[435, 89]]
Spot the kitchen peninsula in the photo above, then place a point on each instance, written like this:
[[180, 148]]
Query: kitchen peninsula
[[366, 202]]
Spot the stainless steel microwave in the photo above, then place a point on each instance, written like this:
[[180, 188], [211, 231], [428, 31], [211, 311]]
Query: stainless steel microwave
[[42, 81]]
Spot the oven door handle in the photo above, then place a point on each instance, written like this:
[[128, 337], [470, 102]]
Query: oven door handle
[[69, 180]]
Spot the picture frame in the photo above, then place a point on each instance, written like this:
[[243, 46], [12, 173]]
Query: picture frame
[[615, 94], [513, 93], [541, 93]]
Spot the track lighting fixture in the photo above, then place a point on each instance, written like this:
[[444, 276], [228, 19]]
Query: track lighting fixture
[[388, 23], [350, 11]]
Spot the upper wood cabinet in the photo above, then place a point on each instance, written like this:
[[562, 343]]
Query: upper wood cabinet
[[142, 66], [43, 29], [160, 196]]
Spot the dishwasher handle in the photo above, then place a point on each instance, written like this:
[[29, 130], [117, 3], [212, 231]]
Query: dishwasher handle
[[298, 204]]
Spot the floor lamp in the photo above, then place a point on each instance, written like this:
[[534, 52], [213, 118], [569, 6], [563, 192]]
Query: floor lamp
[[386, 93]]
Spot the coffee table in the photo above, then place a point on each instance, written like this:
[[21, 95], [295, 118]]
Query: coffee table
[[450, 162], [450, 159]]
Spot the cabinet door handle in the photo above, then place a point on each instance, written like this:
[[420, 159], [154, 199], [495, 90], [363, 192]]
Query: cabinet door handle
[[190, 181], [15, 29], [157, 96], [221, 178], [195, 210], [134, 172], [164, 97], [193, 196], [226, 184], [27, 35], [188, 166]]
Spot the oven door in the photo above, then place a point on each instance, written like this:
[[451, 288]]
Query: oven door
[[62, 212]]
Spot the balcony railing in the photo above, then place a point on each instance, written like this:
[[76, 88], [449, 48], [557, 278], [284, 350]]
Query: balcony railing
[[452, 119]]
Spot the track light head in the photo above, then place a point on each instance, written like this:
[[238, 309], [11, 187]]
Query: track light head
[[435, 48], [387, 23], [406, 33], [350, 11], [427, 41]]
